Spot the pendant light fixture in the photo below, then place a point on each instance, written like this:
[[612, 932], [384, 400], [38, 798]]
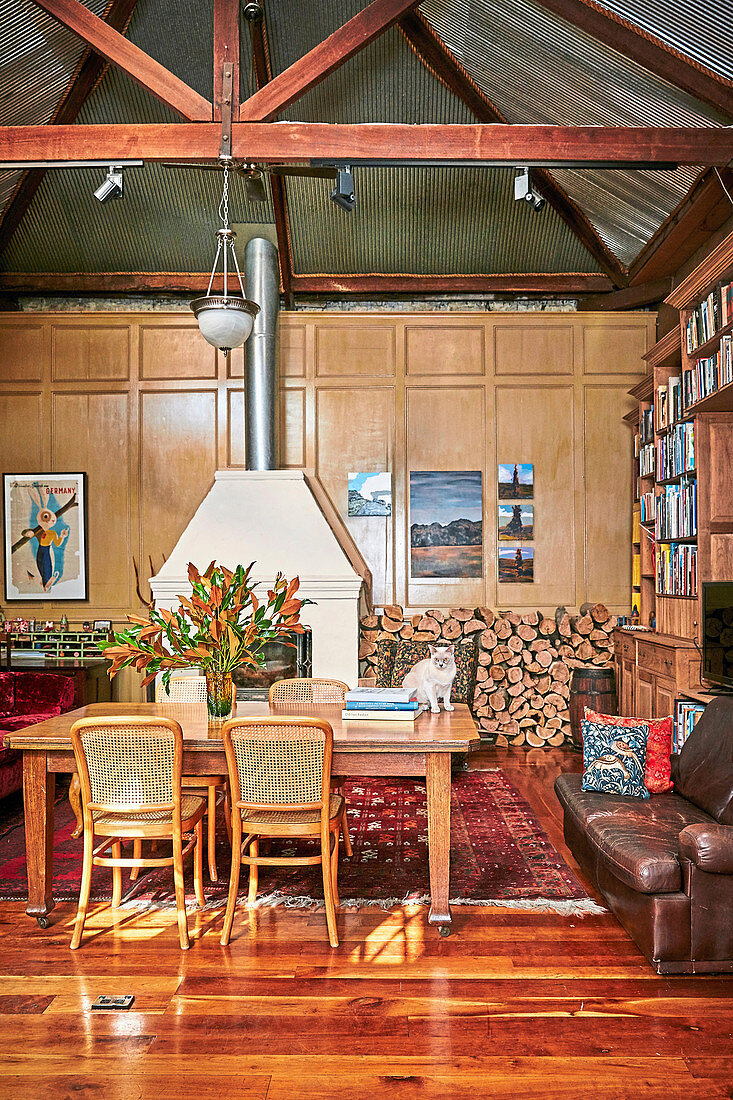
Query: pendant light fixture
[[225, 320]]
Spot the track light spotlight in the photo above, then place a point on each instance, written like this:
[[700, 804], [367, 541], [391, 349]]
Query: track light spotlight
[[343, 193], [112, 186], [254, 186], [523, 190]]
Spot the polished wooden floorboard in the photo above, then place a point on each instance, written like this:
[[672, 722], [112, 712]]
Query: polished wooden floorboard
[[513, 1004]]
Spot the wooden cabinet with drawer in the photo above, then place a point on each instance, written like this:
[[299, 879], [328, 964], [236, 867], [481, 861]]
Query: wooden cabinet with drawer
[[652, 670]]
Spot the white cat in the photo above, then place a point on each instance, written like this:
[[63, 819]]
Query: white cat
[[433, 678]]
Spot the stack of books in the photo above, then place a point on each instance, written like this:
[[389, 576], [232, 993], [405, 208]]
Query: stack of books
[[686, 718], [713, 313], [381, 704]]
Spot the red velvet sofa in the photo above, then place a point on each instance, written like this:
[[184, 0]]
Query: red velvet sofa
[[26, 698]]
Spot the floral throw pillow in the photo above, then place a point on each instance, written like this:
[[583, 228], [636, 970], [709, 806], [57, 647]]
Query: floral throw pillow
[[614, 758], [408, 653], [658, 767], [385, 663]]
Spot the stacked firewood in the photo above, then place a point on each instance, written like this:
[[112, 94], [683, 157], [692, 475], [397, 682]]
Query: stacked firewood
[[524, 662]]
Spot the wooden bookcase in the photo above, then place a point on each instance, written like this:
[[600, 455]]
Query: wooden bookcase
[[711, 420]]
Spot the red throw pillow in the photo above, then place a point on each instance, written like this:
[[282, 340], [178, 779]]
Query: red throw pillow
[[658, 768]]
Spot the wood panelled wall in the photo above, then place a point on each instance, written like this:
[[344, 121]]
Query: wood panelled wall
[[465, 392], [150, 411]]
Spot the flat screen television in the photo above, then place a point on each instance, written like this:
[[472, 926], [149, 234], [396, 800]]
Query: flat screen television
[[717, 633]]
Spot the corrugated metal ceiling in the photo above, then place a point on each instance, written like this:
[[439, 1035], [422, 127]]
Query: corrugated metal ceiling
[[410, 220], [167, 218], [39, 58], [534, 66], [573, 80], [430, 221], [700, 29]]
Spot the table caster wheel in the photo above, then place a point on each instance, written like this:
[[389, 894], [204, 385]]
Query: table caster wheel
[[444, 930], [43, 922]]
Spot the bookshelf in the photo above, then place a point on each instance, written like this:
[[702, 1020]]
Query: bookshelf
[[684, 488]]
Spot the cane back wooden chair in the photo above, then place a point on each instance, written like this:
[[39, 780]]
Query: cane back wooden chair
[[192, 689], [312, 690], [130, 775], [280, 781]]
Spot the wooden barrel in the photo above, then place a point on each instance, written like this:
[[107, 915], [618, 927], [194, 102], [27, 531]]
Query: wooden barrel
[[591, 687]]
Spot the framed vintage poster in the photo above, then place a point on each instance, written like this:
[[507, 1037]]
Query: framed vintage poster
[[45, 536]]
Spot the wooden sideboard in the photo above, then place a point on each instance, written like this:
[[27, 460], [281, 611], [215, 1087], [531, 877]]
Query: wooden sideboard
[[652, 670]]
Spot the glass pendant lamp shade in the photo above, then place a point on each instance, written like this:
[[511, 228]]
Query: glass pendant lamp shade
[[225, 322]]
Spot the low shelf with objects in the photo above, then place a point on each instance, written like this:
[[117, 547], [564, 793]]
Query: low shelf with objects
[[73, 653], [652, 670], [54, 645]]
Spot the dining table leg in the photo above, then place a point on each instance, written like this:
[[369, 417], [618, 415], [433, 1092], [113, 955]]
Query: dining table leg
[[438, 777], [39, 787]]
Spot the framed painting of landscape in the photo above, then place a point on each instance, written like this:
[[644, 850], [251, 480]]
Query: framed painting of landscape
[[446, 529], [516, 522], [516, 481], [370, 494], [516, 564]]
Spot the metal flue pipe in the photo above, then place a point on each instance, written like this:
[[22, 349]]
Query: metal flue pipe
[[262, 280]]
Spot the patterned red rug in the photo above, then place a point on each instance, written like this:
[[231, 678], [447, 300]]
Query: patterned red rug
[[500, 855]]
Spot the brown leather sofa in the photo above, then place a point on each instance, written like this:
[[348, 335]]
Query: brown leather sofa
[[665, 866]]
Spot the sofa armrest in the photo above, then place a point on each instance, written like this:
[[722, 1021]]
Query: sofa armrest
[[709, 847]]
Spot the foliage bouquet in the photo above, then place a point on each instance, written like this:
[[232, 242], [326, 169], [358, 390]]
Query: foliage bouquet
[[221, 626]]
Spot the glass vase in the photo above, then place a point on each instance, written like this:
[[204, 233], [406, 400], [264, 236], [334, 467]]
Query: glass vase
[[219, 694]]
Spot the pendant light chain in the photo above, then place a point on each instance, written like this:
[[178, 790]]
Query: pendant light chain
[[224, 204]]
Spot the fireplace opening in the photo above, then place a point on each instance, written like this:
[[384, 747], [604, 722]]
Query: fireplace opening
[[282, 662]]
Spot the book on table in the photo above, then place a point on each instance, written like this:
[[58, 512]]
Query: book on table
[[372, 715], [381, 699]]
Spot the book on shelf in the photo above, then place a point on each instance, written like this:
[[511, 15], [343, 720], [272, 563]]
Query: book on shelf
[[661, 407], [674, 387], [708, 375], [676, 569], [647, 426], [636, 571], [647, 460], [676, 452], [636, 524], [380, 695], [351, 715], [711, 315], [677, 512], [648, 505], [687, 714]]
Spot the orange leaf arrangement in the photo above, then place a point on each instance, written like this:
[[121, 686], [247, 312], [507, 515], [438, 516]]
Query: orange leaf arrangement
[[219, 627]]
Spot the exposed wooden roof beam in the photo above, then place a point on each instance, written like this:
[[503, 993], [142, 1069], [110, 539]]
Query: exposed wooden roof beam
[[648, 51], [631, 297], [700, 213], [438, 59], [263, 74], [139, 66], [560, 284], [90, 71], [122, 282], [226, 49], [315, 66], [382, 142]]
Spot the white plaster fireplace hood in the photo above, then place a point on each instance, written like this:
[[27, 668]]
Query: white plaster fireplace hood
[[272, 517]]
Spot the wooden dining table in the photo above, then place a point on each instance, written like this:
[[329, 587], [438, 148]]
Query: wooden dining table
[[363, 748]]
